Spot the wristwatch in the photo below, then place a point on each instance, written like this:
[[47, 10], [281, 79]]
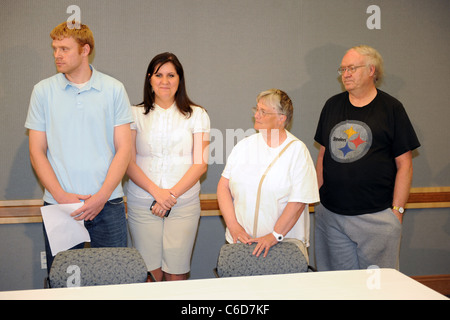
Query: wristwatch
[[278, 236], [399, 209]]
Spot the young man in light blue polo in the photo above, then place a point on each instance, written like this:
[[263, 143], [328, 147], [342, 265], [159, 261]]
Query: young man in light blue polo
[[80, 139]]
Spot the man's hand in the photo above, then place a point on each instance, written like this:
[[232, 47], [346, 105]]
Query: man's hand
[[67, 197], [91, 208]]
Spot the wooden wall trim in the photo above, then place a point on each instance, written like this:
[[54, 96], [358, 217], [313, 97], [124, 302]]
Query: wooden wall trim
[[439, 283], [434, 197], [28, 211]]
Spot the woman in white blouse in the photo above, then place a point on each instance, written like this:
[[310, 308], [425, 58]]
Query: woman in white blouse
[[170, 138], [289, 185]]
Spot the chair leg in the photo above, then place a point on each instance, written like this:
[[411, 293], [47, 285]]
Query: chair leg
[[150, 277], [311, 268], [46, 283]]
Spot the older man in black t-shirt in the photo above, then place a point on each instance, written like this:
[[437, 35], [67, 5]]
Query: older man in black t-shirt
[[364, 169]]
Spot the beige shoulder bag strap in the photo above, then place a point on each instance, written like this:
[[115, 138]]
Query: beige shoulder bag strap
[[255, 223]]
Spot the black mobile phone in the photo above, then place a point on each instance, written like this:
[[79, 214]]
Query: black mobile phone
[[167, 212]]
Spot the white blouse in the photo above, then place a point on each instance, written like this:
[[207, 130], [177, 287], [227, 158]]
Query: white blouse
[[164, 150], [291, 179]]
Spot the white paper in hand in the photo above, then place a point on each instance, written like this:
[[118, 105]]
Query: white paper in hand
[[63, 231]]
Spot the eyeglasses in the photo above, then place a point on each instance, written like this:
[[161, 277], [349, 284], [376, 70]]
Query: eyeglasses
[[261, 112], [351, 69]]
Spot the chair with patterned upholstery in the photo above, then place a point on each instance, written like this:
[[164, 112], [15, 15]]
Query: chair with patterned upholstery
[[237, 260], [97, 266]]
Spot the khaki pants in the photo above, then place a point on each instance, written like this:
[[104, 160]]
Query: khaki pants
[[165, 243]]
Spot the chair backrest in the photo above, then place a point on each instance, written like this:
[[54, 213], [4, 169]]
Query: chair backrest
[[97, 266], [237, 260]]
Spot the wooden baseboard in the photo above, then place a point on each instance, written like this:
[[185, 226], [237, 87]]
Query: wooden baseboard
[[439, 283]]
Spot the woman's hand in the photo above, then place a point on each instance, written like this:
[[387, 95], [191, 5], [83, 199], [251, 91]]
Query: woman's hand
[[263, 244], [238, 233], [165, 199], [158, 210]]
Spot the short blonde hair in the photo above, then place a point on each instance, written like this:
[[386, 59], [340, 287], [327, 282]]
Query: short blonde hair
[[82, 34], [373, 57], [279, 100]]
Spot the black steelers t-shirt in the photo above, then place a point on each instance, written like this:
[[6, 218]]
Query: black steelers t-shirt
[[361, 144]]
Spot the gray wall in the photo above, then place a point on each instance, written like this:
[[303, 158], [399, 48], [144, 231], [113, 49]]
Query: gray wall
[[232, 50]]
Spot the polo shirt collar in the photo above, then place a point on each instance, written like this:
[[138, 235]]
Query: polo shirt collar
[[94, 81]]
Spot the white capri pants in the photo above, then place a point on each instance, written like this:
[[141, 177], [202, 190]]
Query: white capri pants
[[165, 243]]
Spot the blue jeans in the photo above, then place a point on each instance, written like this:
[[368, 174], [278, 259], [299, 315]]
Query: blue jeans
[[107, 229]]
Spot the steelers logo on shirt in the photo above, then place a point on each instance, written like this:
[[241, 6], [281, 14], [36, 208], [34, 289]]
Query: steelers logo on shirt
[[349, 141]]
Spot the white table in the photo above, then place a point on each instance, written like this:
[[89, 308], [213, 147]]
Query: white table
[[359, 284]]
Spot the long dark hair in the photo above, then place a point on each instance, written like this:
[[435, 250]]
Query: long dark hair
[[181, 98]]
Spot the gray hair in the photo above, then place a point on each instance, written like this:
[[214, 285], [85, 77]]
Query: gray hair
[[373, 57], [279, 100]]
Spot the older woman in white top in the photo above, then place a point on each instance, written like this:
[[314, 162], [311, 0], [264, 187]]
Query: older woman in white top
[[170, 135], [288, 187]]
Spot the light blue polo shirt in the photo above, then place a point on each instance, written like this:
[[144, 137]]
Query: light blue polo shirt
[[80, 129]]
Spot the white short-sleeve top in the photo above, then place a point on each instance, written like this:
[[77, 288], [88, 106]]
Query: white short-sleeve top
[[164, 149], [291, 179]]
